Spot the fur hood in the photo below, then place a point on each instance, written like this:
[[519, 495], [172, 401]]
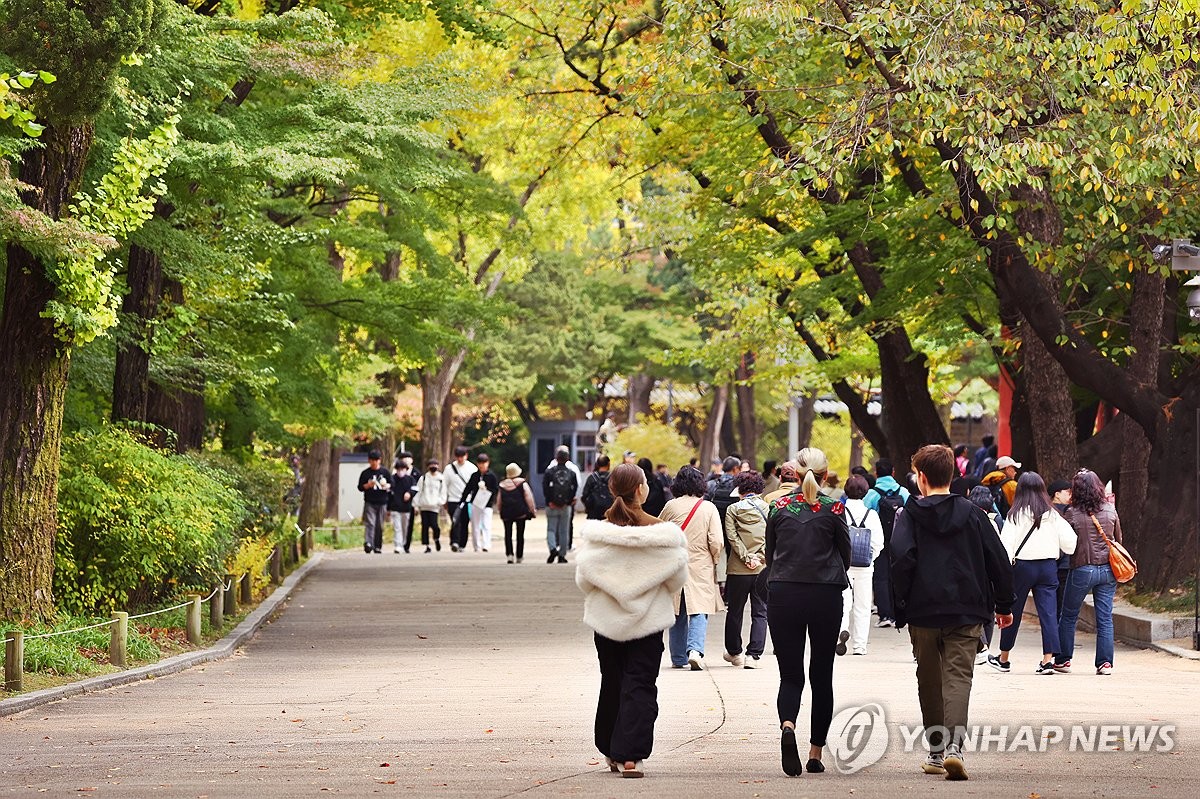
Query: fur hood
[[629, 576]]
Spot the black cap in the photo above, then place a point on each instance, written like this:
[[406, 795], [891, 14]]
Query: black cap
[[374, 455], [1056, 486]]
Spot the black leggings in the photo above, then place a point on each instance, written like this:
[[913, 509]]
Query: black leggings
[[429, 521], [508, 537], [798, 613]]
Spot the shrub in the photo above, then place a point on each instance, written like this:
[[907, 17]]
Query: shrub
[[137, 524], [260, 482], [652, 439], [251, 558]]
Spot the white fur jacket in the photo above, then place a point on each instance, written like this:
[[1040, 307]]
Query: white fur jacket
[[629, 576]]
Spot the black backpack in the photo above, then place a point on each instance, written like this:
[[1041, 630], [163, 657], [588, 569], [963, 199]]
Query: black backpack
[[1000, 499], [512, 503], [560, 485], [890, 503], [722, 497], [597, 497]]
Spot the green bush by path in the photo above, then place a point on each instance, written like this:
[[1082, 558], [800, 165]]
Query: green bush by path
[[137, 524]]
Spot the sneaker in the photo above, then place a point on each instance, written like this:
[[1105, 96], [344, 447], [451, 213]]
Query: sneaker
[[510, 558], [367, 549], [454, 547], [953, 763], [437, 544], [981, 658], [696, 660], [1063, 668], [1045, 668], [395, 552], [562, 560], [933, 764], [553, 557], [885, 623], [737, 661], [613, 765], [752, 663], [858, 650], [843, 637], [485, 549], [999, 665], [427, 549], [1104, 668], [520, 559]]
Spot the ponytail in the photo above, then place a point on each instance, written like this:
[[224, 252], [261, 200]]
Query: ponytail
[[624, 482], [815, 465]]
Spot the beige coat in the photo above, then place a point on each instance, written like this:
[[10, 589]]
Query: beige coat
[[706, 548]]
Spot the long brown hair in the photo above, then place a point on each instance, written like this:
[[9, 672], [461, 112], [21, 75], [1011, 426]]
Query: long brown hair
[[624, 482]]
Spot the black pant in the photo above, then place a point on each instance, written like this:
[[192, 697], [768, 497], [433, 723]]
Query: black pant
[[796, 612], [459, 524], [739, 588], [628, 704], [519, 524], [429, 521], [881, 585], [1063, 574]]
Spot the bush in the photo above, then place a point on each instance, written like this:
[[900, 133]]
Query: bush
[[137, 524], [652, 439], [261, 483]]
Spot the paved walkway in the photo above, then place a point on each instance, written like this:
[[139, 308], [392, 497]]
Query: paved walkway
[[458, 675]]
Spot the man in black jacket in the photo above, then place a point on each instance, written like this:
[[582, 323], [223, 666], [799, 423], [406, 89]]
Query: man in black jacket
[[950, 573], [376, 488]]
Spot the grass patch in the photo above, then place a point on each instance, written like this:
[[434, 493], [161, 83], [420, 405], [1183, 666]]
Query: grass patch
[[349, 537], [1179, 600]]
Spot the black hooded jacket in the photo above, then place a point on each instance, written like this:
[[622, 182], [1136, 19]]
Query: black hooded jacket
[[948, 565]]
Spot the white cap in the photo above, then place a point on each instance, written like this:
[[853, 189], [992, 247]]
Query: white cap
[[1005, 462]]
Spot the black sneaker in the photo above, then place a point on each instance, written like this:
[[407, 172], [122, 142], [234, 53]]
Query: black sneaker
[[999, 665], [1045, 668], [553, 557], [843, 637], [437, 544]]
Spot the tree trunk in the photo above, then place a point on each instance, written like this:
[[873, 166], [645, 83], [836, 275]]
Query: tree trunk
[[807, 418], [710, 443], [333, 486], [1165, 539], [436, 390], [910, 418], [179, 407], [640, 386], [856, 447], [746, 412], [34, 365], [729, 442], [131, 381], [316, 482]]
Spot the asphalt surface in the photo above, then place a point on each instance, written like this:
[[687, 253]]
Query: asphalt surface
[[459, 675]]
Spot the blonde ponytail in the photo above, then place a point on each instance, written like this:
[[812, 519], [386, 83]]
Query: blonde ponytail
[[814, 465]]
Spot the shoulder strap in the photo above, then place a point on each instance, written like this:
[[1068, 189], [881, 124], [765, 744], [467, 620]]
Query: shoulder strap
[[1023, 540], [850, 516], [761, 513], [1100, 530], [695, 508]]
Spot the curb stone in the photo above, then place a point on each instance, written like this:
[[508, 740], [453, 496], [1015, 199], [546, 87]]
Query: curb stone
[[172, 665]]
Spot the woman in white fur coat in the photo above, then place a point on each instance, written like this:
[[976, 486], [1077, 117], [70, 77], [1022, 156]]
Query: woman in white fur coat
[[629, 568]]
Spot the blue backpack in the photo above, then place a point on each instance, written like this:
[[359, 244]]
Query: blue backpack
[[860, 541]]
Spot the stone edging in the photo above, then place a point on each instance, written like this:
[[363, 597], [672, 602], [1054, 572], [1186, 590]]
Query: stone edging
[[172, 665]]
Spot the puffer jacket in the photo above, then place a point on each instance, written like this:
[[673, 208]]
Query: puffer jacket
[[1090, 548]]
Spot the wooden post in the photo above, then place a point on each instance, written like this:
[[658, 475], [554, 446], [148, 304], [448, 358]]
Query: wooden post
[[193, 620], [247, 589], [277, 564], [118, 639], [335, 536], [231, 604], [14, 660], [308, 539], [295, 550], [216, 609], [304, 542]]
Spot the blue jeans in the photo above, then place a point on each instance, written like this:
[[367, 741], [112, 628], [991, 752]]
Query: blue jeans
[[1100, 583], [558, 530], [1041, 577], [687, 634]]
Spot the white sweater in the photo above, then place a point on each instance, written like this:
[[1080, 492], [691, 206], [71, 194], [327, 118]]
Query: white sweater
[[1054, 534], [629, 577]]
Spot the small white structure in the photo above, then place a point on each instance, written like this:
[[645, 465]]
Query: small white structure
[[350, 499]]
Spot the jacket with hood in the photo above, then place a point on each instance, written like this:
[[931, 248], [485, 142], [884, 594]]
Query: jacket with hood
[[629, 577], [884, 485], [949, 568]]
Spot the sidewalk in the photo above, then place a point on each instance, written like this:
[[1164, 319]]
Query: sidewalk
[[459, 675]]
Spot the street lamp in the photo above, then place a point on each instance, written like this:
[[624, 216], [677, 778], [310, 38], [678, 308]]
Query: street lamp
[[1185, 257]]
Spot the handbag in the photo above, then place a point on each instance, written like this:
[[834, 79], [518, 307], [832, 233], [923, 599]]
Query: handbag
[[1124, 567]]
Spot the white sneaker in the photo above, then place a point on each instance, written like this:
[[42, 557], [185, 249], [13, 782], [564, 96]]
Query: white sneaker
[[696, 660], [981, 658], [737, 661], [752, 663], [860, 650]]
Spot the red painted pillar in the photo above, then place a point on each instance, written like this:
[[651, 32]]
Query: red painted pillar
[[1003, 428]]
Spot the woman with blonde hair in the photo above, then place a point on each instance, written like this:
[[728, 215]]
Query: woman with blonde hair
[[629, 567], [807, 555]]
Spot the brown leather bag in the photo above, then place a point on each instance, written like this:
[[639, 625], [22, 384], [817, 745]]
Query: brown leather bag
[[1124, 567]]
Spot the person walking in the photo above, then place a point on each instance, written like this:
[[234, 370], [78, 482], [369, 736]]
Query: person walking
[[429, 501], [807, 554], [559, 485], [789, 481], [981, 497], [701, 524], [746, 532], [481, 494], [886, 498], [517, 506], [1095, 522], [1060, 498], [375, 485], [457, 473], [400, 506], [630, 565], [941, 535], [866, 545], [1033, 536], [596, 497], [658, 495]]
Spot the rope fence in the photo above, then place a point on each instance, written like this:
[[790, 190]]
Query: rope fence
[[222, 601]]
